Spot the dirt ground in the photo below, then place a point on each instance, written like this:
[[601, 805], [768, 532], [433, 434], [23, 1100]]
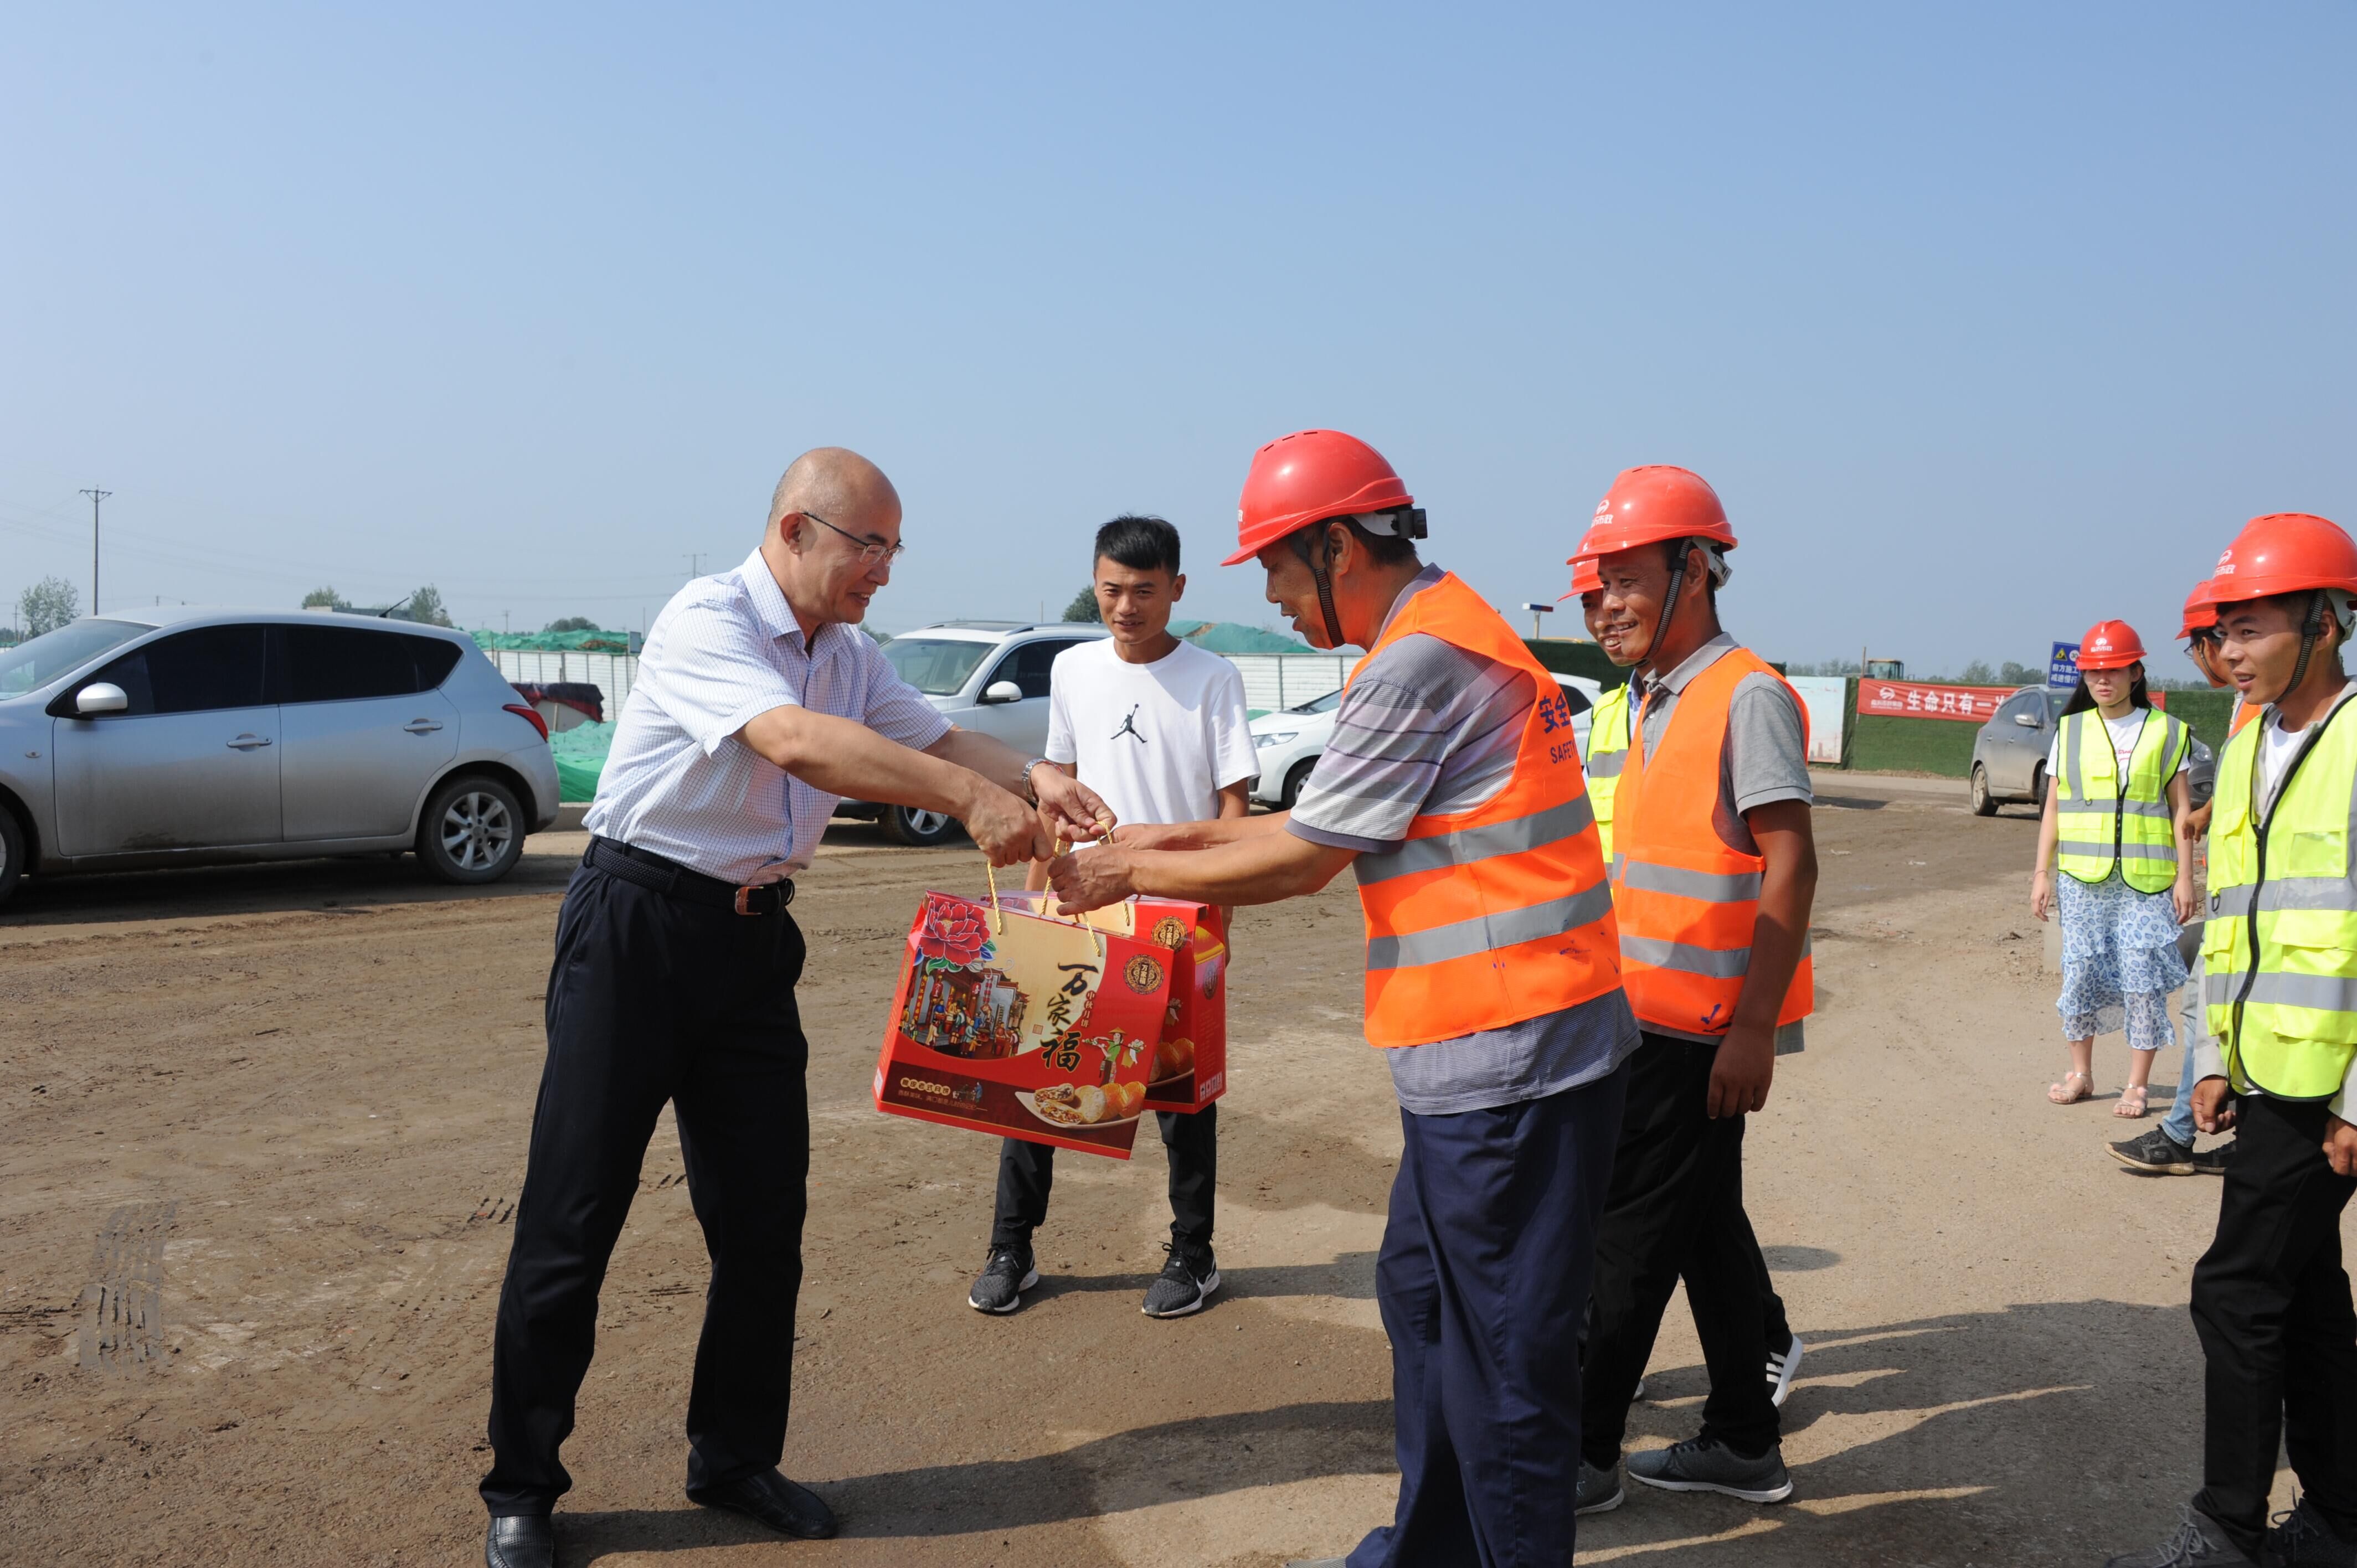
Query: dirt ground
[[261, 1134]]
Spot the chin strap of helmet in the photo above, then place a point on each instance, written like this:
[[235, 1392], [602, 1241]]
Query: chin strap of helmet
[[1320, 570], [1669, 603], [2308, 631]]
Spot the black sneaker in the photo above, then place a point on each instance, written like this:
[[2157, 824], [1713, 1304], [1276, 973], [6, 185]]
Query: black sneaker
[[1599, 1492], [2301, 1539], [1781, 1366], [2214, 1162], [2196, 1543], [1188, 1277], [2155, 1154], [1003, 1279]]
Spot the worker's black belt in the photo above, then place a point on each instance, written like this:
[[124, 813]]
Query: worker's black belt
[[645, 868]]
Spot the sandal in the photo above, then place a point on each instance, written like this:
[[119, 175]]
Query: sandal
[[2131, 1107], [2063, 1094]]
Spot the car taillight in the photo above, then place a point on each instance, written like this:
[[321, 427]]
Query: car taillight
[[533, 715]]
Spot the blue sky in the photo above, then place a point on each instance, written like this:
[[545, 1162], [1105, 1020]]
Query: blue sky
[[1986, 321]]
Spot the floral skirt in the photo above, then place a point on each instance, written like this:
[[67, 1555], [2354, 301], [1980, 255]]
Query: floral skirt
[[2120, 962]]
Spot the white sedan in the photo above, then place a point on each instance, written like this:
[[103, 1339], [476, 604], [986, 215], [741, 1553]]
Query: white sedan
[[1288, 742]]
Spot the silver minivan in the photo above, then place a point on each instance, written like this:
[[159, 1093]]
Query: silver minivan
[[145, 738]]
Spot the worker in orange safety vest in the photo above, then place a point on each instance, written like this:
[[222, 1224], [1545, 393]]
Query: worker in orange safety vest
[[1714, 874], [1452, 786]]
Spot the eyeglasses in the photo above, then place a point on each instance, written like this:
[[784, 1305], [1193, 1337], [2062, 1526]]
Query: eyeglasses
[[871, 551]]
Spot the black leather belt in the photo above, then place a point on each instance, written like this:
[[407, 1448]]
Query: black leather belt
[[645, 868]]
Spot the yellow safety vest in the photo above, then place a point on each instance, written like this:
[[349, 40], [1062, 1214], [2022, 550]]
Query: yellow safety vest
[[1607, 749], [2102, 825], [2280, 948]]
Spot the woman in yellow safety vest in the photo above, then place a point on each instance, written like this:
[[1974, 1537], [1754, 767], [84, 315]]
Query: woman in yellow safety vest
[[2115, 801]]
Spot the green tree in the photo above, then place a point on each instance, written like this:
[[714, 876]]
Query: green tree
[[1083, 606], [1978, 673], [572, 623], [425, 608], [322, 598], [48, 604], [2014, 674]]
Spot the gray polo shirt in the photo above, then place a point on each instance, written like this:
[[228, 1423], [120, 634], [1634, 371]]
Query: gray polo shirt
[[1427, 727], [1763, 759]]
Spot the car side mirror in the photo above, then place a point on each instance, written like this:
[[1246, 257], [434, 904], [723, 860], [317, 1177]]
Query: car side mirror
[[2028, 721], [1002, 692], [101, 697]]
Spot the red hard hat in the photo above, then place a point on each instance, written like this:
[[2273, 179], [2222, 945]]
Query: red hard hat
[[2285, 553], [2110, 645], [2201, 609], [1309, 477], [1652, 504], [1585, 578]]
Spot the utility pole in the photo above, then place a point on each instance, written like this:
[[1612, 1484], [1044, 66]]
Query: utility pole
[[95, 495], [694, 562], [504, 628]]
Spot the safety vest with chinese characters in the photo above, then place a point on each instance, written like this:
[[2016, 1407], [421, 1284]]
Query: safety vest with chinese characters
[[2280, 952], [1489, 916], [1687, 898], [1608, 752], [2101, 824]]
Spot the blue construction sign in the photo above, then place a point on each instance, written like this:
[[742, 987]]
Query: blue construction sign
[[2062, 666]]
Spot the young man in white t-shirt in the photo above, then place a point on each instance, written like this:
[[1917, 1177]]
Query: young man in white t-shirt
[[1158, 729]]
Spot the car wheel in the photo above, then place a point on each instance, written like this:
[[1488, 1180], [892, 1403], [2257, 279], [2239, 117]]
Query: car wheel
[[12, 854], [1296, 780], [920, 829], [472, 831], [2037, 786], [1984, 803]]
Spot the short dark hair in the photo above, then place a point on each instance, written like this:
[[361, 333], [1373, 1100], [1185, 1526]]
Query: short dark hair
[[1382, 549], [1139, 542]]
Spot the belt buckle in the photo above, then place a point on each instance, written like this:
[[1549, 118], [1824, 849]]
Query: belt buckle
[[742, 894]]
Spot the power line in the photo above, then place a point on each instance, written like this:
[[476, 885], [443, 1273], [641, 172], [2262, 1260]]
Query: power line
[[95, 495]]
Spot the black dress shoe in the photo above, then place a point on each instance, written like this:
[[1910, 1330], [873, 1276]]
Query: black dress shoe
[[773, 1500], [520, 1540]]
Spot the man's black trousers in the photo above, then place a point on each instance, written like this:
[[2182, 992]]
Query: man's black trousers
[[2271, 1305], [653, 999], [1676, 1208], [1028, 1171]]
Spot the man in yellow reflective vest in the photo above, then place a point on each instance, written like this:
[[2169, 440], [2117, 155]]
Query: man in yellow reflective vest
[[2271, 1300], [1452, 787]]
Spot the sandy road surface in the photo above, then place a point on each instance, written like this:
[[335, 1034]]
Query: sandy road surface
[[260, 1133]]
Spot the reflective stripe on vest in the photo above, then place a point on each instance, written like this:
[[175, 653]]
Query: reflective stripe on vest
[[1608, 753], [2101, 825], [1489, 916], [2279, 951], [1689, 901]]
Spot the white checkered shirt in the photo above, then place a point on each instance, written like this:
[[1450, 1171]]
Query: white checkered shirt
[[726, 649]]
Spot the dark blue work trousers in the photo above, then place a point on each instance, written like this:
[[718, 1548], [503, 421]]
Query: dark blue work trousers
[[1483, 1282], [652, 1000]]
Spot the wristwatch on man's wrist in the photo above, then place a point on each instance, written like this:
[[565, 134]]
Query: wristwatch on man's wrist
[[1029, 788]]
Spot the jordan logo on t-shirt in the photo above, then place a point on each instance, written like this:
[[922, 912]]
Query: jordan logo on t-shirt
[[1129, 726]]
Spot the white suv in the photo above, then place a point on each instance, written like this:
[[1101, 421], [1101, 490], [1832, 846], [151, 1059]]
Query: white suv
[[985, 676]]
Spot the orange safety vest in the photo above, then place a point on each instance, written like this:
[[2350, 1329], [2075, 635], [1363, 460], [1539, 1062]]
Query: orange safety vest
[[1688, 899], [2243, 714], [1489, 916]]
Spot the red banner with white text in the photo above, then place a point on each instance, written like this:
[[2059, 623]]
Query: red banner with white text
[[1914, 699]]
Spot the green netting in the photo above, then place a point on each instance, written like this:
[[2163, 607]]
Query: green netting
[[554, 641], [581, 754]]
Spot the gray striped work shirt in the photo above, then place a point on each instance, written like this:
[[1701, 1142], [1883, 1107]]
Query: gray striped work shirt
[[1428, 728]]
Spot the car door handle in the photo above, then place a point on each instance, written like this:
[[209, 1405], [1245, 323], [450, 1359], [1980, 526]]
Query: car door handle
[[248, 741], [421, 727]]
